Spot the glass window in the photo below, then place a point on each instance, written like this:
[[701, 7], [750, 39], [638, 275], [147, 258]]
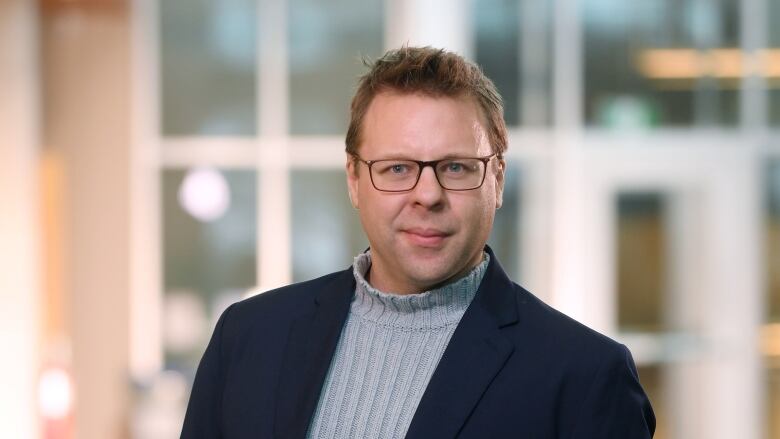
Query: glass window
[[642, 288], [652, 379], [773, 240], [661, 62], [498, 50], [773, 79], [326, 231], [327, 43], [771, 331], [641, 259], [209, 229], [505, 237], [208, 67], [773, 396], [521, 72]]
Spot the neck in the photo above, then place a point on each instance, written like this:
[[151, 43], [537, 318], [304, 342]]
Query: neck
[[382, 280], [434, 308]]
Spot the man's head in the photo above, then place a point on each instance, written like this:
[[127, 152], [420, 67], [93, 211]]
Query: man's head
[[431, 72], [425, 105]]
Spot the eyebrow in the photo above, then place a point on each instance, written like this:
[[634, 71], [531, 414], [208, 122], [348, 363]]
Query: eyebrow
[[448, 156]]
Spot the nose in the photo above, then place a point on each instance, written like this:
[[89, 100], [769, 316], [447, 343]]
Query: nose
[[428, 191]]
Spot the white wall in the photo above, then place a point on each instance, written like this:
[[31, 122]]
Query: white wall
[[86, 49], [19, 255]]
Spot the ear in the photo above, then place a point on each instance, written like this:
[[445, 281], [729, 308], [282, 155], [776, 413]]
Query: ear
[[500, 169], [352, 181]]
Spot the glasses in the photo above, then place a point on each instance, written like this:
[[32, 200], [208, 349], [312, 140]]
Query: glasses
[[454, 173]]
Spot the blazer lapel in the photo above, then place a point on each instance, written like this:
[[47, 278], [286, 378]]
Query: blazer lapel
[[476, 352], [310, 347]]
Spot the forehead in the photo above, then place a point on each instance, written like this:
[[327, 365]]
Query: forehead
[[422, 127]]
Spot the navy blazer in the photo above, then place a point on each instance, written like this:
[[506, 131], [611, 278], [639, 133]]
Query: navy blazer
[[514, 368]]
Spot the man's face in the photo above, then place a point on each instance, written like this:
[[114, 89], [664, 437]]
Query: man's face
[[428, 235]]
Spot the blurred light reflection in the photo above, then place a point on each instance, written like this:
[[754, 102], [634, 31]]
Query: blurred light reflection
[[204, 194], [55, 393]]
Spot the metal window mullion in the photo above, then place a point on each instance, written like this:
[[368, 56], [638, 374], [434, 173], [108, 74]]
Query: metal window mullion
[[274, 261], [567, 206], [145, 301], [754, 124]]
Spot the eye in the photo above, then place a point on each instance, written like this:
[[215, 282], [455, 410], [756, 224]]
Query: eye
[[399, 168], [454, 167], [394, 168]]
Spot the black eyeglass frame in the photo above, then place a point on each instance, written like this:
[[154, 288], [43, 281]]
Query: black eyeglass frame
[[422, 164]]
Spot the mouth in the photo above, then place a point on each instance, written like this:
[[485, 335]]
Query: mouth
[[425, 237]]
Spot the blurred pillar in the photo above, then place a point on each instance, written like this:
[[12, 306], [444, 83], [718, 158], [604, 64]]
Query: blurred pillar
[[19, 256], [570, 253], [438, 23], [733, 311], [86, 50]]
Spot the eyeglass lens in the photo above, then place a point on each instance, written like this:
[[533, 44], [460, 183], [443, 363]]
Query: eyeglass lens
[[402, 175]]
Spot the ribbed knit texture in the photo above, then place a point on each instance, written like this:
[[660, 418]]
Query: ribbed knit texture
[[387, 352]]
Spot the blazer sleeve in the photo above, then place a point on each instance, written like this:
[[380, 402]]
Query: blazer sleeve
[[204, 417], [616, 406]]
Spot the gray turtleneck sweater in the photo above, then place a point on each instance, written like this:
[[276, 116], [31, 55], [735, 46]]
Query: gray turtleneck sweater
[[387, 352]]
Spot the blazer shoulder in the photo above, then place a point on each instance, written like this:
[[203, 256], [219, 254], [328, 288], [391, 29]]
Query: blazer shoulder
[[282, 304], [559, 331], [589, 365]]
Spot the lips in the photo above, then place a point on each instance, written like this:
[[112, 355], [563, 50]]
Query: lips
[[425, 237]]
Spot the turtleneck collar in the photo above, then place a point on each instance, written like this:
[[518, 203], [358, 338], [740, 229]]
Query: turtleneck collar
[[432, 309]]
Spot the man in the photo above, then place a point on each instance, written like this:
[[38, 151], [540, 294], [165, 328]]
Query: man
[[425, 336]]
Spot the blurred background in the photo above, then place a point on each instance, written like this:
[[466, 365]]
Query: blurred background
[[160, 160]]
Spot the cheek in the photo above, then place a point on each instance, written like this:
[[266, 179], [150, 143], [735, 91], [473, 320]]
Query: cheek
[[378, 211], [481, 213]]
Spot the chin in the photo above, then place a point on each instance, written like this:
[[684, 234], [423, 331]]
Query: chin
[[430, 273]]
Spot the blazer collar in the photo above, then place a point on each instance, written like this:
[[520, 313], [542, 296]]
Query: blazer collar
[[496, 294], [311, 345], [475, 354]]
